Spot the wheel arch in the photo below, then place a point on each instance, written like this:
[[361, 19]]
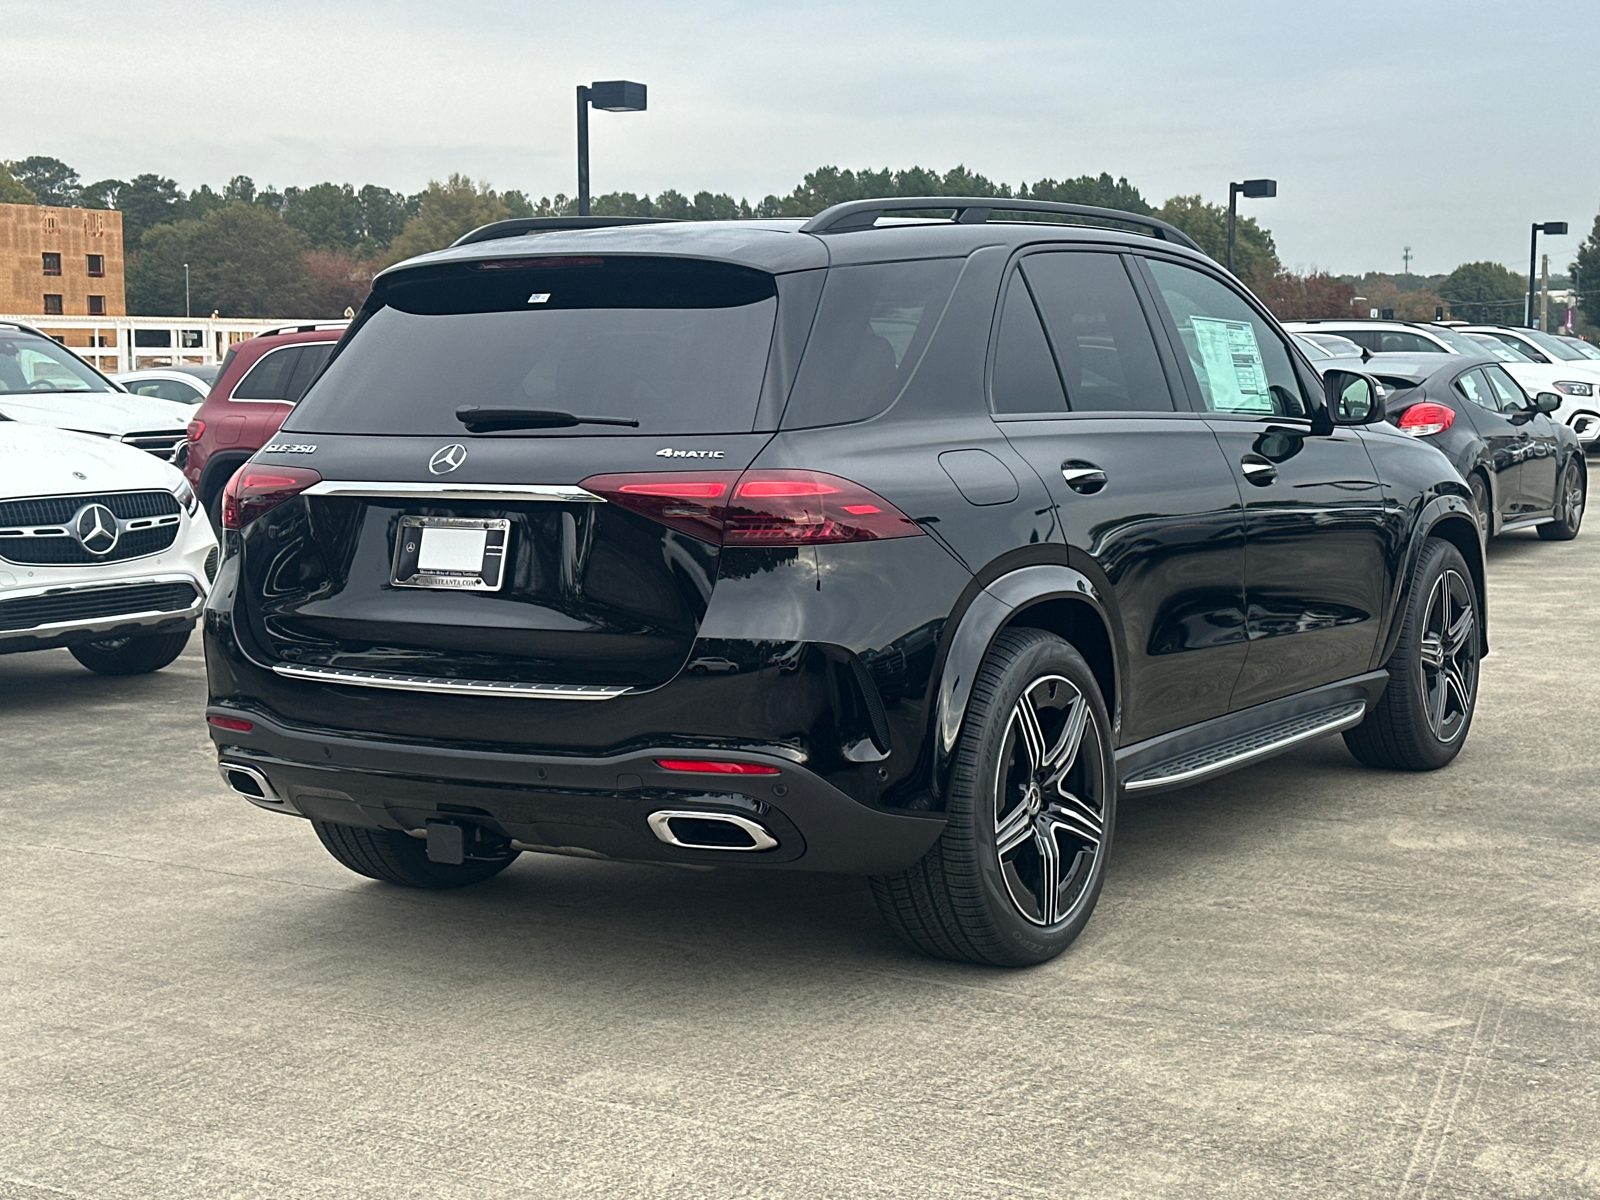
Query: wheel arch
[[218, 470], [1051, 597], [1448, 518]]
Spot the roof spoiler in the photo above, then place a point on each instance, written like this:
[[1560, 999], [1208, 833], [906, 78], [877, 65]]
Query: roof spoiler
[[517, 226], [976, 210]]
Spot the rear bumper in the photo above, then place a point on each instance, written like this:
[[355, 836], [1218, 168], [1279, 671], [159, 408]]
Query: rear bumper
[[592, 806]]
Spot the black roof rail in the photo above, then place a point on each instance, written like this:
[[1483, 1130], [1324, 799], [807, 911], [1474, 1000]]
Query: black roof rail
[[975, 210], [517, 226]]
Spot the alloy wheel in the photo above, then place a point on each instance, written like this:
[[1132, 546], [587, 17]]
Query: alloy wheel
[[1450, 655], [1572, 497], [1049, 801]]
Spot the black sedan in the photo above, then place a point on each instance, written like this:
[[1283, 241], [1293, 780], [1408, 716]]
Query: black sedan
[[1525, 470]]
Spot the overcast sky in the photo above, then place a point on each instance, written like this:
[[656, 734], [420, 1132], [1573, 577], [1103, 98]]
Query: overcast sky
[[1386, 124]]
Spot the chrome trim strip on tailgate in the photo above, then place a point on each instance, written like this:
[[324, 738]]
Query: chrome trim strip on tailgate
[[453, 491], [452, 687]]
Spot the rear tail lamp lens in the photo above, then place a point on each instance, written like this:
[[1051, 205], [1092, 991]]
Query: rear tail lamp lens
[[255, 490], [759, 508], [1427, 419], [232, 723], [196, 428], [700, 766]]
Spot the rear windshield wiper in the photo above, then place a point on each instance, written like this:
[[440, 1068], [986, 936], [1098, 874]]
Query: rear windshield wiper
[[478, 419]]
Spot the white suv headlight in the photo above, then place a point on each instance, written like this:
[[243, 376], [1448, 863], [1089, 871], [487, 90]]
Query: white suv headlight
[[1573, 388], [186, 497]]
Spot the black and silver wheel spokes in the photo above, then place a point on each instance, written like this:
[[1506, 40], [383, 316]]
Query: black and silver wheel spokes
[[1572, 498], [1450, 656], [1049, 800]]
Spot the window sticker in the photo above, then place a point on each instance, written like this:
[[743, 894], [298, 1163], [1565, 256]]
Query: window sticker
[[1234, 369]]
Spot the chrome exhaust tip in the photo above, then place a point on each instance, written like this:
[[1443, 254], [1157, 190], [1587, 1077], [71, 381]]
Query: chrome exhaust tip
[[253, 786], [702, 830]]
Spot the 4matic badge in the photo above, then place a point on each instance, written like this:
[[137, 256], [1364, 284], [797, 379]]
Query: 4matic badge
[[669, 452]]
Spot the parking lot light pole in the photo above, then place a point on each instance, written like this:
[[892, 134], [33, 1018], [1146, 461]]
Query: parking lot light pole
[[186, 289], [1254, 189], [1556, 227], [614, 95]]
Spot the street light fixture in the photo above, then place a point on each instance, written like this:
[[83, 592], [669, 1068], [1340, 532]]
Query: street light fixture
[[614, 95], [1554, 227], [1252, 189]]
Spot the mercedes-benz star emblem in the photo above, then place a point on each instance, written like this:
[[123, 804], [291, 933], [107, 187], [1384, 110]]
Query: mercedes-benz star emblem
[[447, 458], [95, 527]]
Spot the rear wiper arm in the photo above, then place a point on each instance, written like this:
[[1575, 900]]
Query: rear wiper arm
[[479, 419]]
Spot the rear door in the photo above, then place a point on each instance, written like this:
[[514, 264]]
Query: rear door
[[1491, 415], [1140, 486], [1316, 571]]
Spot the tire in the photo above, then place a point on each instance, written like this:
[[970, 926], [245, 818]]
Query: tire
[[1571, 496], [131, 655], [1482, 503], [394, 857], [1422, 719], [973, 898], [214, 514]]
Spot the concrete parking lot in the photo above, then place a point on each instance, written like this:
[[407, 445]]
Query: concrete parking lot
[[1309, 980]]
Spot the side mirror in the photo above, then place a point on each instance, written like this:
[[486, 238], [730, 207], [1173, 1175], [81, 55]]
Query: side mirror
[[1547, 402], [1350, 398]]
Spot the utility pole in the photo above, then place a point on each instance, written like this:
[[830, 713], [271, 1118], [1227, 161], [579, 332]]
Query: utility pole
[[1407, 257], [1544, 294], [186, 289]]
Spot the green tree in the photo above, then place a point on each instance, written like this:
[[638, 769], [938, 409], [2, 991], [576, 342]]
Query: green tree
[[147, 200], [240, 187], [327, 213], [102, 193], [244, 261], [1102, 191], [1485, 292], [1587, 268], [383, 215], [447, 210], [1254, 254], [12, 192], [50, 180], [200, 203]]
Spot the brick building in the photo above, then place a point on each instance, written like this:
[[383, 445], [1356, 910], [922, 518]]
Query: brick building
[[61, 261]]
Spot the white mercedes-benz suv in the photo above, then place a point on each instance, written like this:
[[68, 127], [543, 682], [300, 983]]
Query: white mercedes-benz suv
[[103, 550]]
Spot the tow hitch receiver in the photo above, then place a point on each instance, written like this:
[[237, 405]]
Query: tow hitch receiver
[[446, 843]]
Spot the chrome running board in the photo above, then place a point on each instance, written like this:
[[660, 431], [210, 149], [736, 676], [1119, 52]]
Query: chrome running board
[[452, 687], [1247, 747]]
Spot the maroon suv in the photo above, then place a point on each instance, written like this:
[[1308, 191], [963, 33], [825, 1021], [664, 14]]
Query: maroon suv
[[260, 382]]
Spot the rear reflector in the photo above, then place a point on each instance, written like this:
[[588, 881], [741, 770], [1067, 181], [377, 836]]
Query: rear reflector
[[759, 507], [255, 490], [707, 767], [1427, 419], [231, 723]]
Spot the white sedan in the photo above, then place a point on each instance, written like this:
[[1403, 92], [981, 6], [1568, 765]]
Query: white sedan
[[103, 550]]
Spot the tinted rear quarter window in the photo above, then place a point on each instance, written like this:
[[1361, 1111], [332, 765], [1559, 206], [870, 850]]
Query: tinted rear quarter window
[[1025, 379], [1098, 330], [871, 328], [269, 378], [678, 345]]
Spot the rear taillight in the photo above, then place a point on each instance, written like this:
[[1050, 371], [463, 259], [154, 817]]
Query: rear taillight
[[255, 490], [232, 724], [758, 508], [196, 428], [701, 766], [1427, 419]]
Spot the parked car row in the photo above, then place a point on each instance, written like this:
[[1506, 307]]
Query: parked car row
[[1539, 362]]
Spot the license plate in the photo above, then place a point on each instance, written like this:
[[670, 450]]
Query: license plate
[[456, 553]]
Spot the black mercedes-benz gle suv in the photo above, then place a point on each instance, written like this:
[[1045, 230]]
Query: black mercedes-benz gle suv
[[899, 542]]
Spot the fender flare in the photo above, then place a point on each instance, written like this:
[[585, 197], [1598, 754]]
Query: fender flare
[[1444, 507], [993, 607]]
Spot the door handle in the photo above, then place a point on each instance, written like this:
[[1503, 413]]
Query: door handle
[[1258, 470], [1083, 477]]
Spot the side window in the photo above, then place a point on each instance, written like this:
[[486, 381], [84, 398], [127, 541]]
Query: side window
[[1506, 390], [1397, 341], [1474, 387], [1367, 339], [1025, 379], [1101, 339], [269, 378], [1239, 361], [305, 370], [871, 327]]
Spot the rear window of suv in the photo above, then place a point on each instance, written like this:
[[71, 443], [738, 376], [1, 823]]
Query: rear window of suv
[[680, 346]]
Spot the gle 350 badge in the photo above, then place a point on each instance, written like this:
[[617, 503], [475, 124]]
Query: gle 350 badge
[[288, 448]]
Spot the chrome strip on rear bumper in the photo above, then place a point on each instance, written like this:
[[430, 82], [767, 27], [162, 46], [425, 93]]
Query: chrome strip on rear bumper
[[452, 687], [453, 491]]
